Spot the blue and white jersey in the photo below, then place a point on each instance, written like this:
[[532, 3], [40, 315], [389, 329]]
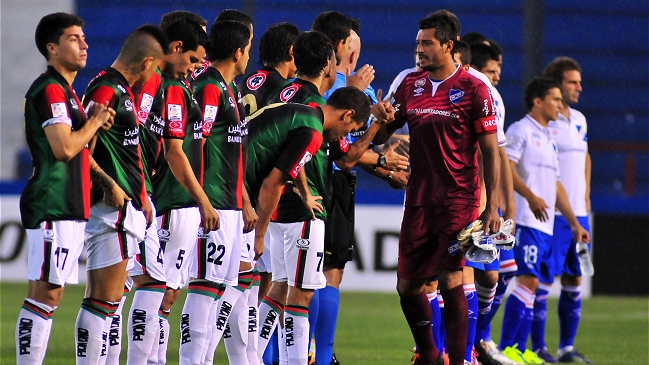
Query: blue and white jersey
[[499, 106], [571, 138], [531, 147], [341, 81]]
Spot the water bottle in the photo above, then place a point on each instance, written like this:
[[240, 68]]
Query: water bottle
[[585, 261]]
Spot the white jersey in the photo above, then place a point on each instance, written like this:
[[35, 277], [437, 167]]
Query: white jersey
[[393, 89], [570, 136], [531, 146], [500, 106]]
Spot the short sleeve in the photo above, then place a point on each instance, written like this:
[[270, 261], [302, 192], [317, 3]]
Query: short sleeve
[[398, 101], [99, 95], [303, 143], [516, 142], [175, 112], [55, 107], [338, 148], [209, 102], [483, 113]]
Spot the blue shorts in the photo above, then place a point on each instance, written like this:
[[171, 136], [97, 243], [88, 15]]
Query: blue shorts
[[492, 266], [564, 247], [507, 262], [533, 253]]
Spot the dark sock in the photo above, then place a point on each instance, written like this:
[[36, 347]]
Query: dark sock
[[418, 314], [456, 320]]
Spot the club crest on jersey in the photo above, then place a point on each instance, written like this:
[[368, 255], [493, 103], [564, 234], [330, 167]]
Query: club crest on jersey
[[59, 110], [256, 80], [74, 104], [288, 93], [174, 112], [128, 105], [455, 95], [420, 82], [210, 113]]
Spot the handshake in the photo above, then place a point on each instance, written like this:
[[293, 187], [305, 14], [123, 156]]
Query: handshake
[[482, 248]]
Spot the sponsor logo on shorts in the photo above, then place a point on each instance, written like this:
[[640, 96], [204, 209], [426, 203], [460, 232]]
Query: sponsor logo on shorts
[[303, 244], [455, 95], [163, 234], [48, 235], [201, 234]]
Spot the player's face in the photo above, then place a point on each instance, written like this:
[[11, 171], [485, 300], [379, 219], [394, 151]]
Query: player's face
[[243, 60], [492, 70], [551, 104], [430, 52], [72, 50], [571, 86], [183, 64], [342, 50], [329, 74]]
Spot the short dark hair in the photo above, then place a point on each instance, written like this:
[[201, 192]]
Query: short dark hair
[[51, 27], [555, 69], [349, 97], [481, 54], [177, 15], [464, 50], [356, 26], [188, 32], [495, 46], [276, 42], [144, 42], [538, 88], [227, 37], [335, 25], [445, 23], [474, 37], [312, 50], [234, 15]]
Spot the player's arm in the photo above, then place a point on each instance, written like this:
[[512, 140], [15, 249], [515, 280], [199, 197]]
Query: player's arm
[[506, 186], [491, 164], [250, 217], [588, 176], [311, 202], [563, 204], [114, 196], [537, 205], [269, 194]]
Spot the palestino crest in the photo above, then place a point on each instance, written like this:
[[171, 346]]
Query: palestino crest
[[455, 95], [256, 80], [288, 93]]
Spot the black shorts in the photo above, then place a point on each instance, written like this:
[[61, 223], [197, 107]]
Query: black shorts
[[339, 230]]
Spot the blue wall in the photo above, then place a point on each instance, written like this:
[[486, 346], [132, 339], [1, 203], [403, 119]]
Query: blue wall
[[610, 42]]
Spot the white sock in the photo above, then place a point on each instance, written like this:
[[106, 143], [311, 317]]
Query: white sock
[[143, 323], [296, 329], [165, 330], [269, 314], [89, 330], [236, 341], [283, 353], [114, 342], [210, 349], [32, 332], [155, 346], [253, 326], [193, 321], [225, 305]]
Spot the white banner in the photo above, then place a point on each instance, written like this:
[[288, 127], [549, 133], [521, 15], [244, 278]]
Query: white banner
[[374, 267]]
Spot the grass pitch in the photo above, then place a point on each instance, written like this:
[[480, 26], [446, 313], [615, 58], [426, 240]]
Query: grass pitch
[[371, 329]]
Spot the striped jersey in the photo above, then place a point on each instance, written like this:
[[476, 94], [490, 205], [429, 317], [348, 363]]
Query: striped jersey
[[56, 190], [117, 150]]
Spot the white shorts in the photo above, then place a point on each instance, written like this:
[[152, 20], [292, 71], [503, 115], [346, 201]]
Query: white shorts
[[297, 253], [178, 231], [248, 247], [218, 253], [150, 260], [113, 235], [264, 263], [54, 251]]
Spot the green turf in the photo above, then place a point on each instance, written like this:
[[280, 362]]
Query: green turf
[[372, 330]]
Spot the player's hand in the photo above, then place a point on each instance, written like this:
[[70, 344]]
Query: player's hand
[[311, 203], [361, 79], [399, 179], [147, 209], [579, 234], [250, 218], [393, 160], [102, 115], [259, 246], [209, 218], [116, 197], [490, 220], [539, 208]]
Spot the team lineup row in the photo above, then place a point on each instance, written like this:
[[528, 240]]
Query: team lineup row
[[243, 193]]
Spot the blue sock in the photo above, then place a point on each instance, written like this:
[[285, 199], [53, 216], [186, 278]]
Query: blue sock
[[271, 354], [442, 326], [326, 327], [484, 320], [514, 315], [540, 314], [472, 301], [436, 320], [524, 329], [569, 315], [314, 307]]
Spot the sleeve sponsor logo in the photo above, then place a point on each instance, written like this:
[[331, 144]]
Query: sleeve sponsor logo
[[142, 116], [255, 81], [485, 109], [147, 103], [305, 159], [209, 116], [455, 95], [288, 93], [48, 235], [174, 112], [61, 110], [207, 128], [175, 127]]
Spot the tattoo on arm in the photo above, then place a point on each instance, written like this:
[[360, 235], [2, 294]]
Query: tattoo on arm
[[99, 177]]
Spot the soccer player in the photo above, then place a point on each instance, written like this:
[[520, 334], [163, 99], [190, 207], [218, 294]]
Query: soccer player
[[216, 259], [112, 235], [449, 114], [55, 203], [535, 169], [337, 27], [569, 132], [282, 140]]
